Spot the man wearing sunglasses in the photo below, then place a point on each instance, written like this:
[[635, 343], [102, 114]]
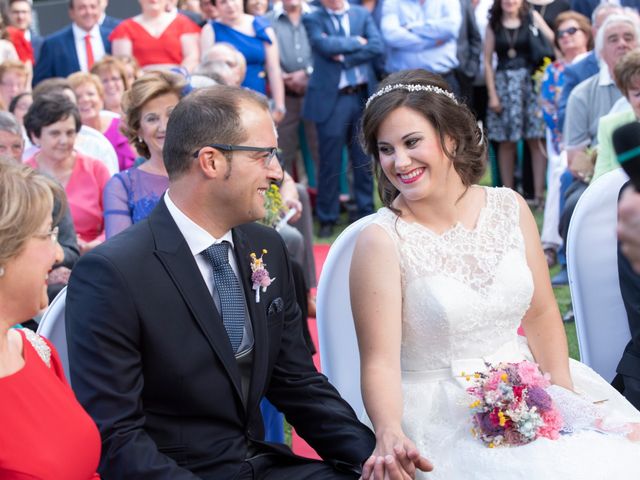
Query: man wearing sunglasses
[[178, 326]]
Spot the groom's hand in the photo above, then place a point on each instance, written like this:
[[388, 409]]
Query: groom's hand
[[410, 460], [402, 466]]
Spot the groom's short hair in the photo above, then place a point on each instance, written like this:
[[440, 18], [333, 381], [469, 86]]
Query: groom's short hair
[[206, 116]]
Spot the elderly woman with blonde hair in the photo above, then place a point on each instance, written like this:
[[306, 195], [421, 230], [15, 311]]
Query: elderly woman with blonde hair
[[62, 440], [90, 95]]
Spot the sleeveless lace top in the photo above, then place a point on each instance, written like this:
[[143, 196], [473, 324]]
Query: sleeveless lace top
[[464, 291]]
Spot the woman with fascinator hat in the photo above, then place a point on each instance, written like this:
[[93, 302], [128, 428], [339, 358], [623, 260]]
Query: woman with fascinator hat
[[440, 281]]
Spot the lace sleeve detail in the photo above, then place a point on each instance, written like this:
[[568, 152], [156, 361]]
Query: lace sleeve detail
[[39, 345]]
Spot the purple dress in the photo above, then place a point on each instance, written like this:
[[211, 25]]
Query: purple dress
[[129, 197], [125, 154]]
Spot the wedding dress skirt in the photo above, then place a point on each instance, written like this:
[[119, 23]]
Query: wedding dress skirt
[[465, 293]]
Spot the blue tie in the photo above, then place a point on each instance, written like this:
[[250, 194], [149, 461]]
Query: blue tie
[[352, 78], [231, 297]]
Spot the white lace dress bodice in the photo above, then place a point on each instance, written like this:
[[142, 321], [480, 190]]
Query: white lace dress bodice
[[465, 292]]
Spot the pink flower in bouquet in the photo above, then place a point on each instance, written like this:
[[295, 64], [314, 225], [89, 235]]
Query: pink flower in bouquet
[[530, 374], [552, 424]]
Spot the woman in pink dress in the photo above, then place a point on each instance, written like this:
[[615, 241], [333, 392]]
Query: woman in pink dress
[[90, 94], [157, 38], [52, 123], [45, 432]]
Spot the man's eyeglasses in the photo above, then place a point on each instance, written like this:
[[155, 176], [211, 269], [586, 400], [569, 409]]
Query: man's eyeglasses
[[272, 151], [52, 235], [571, 31]]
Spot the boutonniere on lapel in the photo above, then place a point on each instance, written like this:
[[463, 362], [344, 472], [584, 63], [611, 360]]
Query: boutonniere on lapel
[[259, 274]]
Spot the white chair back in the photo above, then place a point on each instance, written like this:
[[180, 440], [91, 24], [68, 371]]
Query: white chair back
[[52, 327], [601, 320], [336, 332]]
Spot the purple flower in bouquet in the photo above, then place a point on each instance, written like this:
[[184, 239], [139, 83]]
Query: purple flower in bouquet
[[538, 397], [490, 423]]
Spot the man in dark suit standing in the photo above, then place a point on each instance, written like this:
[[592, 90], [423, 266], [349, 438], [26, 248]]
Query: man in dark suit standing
[[76, 47], [178, 326], [344, 41]]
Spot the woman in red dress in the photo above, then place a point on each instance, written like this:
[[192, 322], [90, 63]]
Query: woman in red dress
[[157, 38], [45, 433]]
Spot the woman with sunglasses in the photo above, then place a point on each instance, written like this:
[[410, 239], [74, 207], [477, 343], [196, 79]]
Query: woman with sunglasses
[[129, 196], [573, 39]]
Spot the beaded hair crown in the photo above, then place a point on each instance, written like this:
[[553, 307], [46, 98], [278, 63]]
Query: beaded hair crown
[[412, 88]]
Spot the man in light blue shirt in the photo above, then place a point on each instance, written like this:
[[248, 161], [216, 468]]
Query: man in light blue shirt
[[422, 34]]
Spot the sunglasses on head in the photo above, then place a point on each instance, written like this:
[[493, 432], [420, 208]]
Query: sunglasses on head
[[567, 31]]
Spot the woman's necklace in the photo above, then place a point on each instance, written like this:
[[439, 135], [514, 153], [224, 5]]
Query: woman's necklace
[[511, 41]]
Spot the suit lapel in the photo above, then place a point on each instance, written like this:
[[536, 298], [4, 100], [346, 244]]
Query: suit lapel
[[104, 33], [256, 314], [173, 252], [71, 46]]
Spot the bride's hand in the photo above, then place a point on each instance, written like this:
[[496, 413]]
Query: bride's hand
[[394, 458]]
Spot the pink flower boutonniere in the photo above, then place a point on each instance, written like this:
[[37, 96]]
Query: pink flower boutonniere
[[260, 274]]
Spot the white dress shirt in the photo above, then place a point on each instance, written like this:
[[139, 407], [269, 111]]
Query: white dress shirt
[[198, 240], [96, 45]]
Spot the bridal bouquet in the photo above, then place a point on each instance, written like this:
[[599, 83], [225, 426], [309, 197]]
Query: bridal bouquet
[[512, 406]]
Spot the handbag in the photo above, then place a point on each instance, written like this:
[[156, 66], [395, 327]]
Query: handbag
[[539, 47]]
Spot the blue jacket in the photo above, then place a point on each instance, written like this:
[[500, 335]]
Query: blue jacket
[[58, 55], [573, 75], [322, 91]]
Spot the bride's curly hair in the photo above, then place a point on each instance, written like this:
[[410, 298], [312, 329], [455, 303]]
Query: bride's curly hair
[[449, 118]]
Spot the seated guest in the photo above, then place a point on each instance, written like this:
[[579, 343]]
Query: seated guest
[[7, 50], [129, 196], [627, 77], [90, 99], [113, 75], [157, 38], [221, 55], [11, 146], [89, 141], [627, 380], [14, 80], [45, 432], [19, 106], [131, 67], [173, 372], [53, 122]]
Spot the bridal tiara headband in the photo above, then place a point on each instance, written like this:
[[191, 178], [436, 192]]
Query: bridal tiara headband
[[412, 88]]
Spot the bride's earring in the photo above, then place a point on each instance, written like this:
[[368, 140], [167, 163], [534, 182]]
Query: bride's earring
[[140, 140], [1, 271]]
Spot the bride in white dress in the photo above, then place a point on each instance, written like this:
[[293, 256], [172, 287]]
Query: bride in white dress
[[440, 283]]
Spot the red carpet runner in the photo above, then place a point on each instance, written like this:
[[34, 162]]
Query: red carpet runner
[[300, 447]]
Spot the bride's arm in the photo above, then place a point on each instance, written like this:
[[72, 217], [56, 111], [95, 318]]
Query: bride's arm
[[376, 302], [542, 322]]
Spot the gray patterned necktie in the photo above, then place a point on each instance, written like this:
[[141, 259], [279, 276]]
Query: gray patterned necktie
[[230, 292]]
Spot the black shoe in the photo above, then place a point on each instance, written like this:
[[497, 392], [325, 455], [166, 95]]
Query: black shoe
[[325, 230]]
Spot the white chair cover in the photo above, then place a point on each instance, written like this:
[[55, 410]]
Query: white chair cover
[[52, 327], [336, 332], [601, 320]]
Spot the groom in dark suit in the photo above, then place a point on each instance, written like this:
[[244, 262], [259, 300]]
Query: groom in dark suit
[[171, 342]]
